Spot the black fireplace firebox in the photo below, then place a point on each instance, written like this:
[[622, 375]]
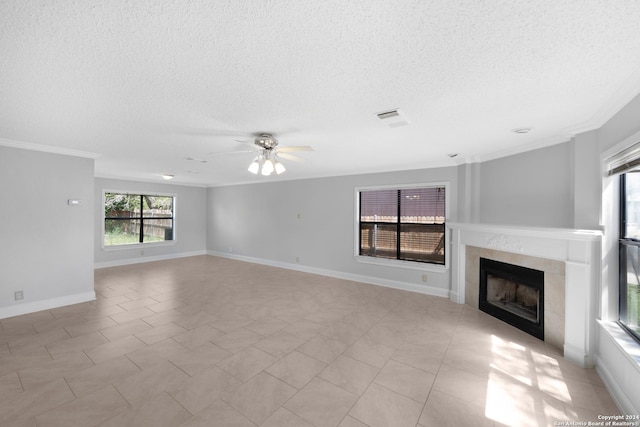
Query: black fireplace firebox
[[513, 294]]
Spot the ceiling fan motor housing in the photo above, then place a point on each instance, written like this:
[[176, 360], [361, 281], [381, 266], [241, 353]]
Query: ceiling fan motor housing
[[266, 141]]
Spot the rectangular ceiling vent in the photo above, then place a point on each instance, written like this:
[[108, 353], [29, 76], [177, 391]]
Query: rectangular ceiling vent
[[393, 118]]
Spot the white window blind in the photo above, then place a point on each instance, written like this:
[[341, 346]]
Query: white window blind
[[406, 224], [628, 160]]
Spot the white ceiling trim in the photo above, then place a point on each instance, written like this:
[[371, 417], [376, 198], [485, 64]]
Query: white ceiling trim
[[48, 148], [627, 91], [541, 143], [149, 181]]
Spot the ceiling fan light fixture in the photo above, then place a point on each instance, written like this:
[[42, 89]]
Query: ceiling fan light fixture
[[279, 167], [268, 160], [254, 167], [267, 167]]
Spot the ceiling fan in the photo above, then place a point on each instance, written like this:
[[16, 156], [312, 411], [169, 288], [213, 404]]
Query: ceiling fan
[[268, 159]]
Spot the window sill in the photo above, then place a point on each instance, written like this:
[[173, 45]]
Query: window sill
[[410, 265], [138, 246], [627, 345]]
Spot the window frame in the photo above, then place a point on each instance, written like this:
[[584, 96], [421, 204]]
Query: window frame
[[623, 243], [397, 263], [138, 244]]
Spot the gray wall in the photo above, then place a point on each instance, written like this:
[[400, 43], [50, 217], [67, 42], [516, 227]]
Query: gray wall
[[468, 192], [190, 224], [47, 245], [261, 221], [622, 125], [534, 188], [587, 181]]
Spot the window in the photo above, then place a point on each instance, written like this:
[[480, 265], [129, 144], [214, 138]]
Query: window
[[137, 218], [629, 273], [403, 224]]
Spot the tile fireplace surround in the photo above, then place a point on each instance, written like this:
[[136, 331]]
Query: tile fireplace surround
[[570, 259]]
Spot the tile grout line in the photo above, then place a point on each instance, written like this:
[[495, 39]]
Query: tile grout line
[[435, 377]]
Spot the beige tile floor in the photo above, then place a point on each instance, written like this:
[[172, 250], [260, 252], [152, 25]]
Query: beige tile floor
[[206, 341]]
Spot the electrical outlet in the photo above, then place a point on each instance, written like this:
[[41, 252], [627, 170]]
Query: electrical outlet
[[230, 249], [18, 295], [424, 278], [297, 259]]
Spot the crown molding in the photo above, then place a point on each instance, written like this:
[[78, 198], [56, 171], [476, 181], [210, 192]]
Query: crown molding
[[620, 98], [47, 148], [148, 181], [541, 143]]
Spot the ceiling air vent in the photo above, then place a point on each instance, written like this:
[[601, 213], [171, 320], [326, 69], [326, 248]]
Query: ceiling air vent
[[393, 118]]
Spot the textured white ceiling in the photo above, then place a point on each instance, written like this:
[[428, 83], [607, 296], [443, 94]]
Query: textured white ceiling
[[147, 84]]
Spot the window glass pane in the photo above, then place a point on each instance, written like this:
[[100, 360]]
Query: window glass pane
[[158, 230], [630, 289], [632, 206], [121, 205], [157, 206], [378, 240], [379, 206], [121, 232], [422, 242], [422, 205]]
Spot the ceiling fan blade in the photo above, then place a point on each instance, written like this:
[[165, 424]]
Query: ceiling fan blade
[[247, 143], [242, 146], [294, 148], [218, 153], [290, 157]]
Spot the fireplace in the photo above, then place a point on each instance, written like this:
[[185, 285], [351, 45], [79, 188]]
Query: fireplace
[[570, 260], [513, 294]]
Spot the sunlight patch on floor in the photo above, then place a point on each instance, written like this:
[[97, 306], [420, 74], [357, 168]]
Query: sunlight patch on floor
[[524, 387]]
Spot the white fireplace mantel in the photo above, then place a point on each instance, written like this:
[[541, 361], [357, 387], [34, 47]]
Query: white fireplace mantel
[[578, 249]]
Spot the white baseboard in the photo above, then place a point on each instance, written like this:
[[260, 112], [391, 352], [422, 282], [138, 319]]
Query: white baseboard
[[140, 260], [577, 356], [453, 296], [32, 307], [405, 286], [617, 393], [618, 364]]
